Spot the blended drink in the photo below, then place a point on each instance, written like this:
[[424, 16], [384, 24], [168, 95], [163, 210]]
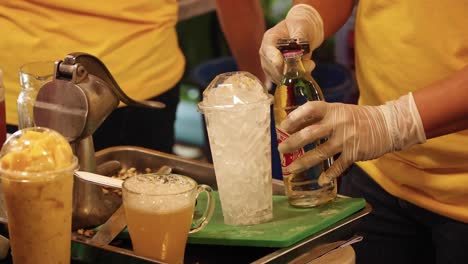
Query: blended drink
[[237, 113], [159, 211], [37, 167]]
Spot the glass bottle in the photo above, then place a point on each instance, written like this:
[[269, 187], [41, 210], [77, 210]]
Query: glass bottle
[[2, 111], [297, 88]]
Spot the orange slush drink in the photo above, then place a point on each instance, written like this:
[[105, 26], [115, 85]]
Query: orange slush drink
[[36, 168], [164, 234], [159, 212]]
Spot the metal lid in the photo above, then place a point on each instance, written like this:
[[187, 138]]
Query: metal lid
[[293, 44]]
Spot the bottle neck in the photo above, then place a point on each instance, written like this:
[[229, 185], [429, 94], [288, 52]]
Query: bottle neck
[[293, 65]]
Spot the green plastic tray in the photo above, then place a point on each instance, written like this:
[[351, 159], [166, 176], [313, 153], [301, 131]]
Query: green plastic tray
[[288, 226]]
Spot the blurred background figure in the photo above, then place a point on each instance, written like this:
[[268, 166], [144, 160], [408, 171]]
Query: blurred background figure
[[136, 40], [161, 50]]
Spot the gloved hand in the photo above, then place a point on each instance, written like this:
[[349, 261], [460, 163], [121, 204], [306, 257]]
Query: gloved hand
[[302, 21], [359, 133]]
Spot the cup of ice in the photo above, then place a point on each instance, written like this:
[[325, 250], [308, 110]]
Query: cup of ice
[[236, 107]]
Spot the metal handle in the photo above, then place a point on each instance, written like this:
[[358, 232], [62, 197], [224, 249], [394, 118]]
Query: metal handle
[[82, 62]]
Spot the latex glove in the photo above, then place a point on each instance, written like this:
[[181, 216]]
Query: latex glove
[[4, 247], [302, 21], [359, 133]]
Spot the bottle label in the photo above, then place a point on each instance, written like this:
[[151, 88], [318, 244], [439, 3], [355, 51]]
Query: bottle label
[[287, 158]]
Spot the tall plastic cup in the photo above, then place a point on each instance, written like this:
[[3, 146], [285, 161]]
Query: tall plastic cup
[[236, 107], [36, 168]]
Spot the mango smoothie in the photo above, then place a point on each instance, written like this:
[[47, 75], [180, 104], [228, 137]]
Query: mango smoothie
[[36, 167]]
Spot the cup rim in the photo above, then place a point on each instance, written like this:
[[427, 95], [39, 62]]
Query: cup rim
[[27, 176], [22, 69], [125, 188]]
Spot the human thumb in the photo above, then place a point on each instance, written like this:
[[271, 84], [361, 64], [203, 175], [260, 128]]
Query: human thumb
[[309, 64]]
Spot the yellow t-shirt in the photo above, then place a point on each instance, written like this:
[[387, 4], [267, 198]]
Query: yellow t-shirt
[[403, 46], [136, 40]]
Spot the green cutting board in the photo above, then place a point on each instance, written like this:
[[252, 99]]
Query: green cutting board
[[288, 226]]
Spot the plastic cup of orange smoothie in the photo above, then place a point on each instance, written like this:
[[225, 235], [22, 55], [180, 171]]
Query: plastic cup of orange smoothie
[[36, 168]]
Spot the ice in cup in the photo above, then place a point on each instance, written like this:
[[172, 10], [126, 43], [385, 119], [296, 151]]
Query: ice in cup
[[159, 209], [236, 107], [36, 168]]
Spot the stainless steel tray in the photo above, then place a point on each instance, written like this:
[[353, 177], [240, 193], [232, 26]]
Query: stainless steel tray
[[202, 172]]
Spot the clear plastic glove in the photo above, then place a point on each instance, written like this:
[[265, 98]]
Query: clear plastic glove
[[359, 133], [302, 21]]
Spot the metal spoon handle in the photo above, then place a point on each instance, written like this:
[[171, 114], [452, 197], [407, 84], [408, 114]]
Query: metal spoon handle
[[99, 179]]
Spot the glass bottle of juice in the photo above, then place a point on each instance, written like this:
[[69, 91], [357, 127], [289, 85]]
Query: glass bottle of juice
[[2, 111], [298, 87]]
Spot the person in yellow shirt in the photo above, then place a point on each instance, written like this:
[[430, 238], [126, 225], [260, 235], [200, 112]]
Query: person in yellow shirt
[[406, 143], [136, 40]]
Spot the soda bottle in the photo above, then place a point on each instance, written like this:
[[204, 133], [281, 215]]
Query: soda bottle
[[2, 111], [298, 87]]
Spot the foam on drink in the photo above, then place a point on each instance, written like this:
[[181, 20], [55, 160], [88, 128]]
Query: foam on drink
[[157, 192]]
